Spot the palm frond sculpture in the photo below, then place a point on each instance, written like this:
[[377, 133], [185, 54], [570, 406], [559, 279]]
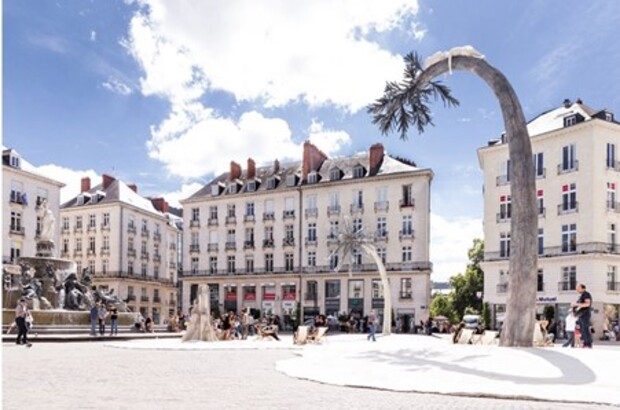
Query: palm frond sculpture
[[406, 104], [351, 241]]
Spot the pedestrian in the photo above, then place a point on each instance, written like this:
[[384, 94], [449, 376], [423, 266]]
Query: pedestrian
[[21, 313], [94, 315], [102, 315], [570, 322], [114, 322], [245, 323], [372, 326], [583, 307]]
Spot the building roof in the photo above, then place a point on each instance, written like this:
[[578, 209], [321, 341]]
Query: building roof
[[25, 166], [389, 165]]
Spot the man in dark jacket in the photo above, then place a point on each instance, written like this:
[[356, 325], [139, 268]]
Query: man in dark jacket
[[94, 316]]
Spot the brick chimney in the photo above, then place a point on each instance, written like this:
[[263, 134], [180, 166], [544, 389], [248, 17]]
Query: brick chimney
[[251, 172], [107, 180], [160, 204], [235, 170], [276, 166], [133, 187], [85, 184], [375, 158], [312, 160]]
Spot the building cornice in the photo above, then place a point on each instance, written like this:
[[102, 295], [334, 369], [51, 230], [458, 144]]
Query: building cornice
[[33, 175], [121, 204]]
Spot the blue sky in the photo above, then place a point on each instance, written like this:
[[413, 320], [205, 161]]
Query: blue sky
[[166, 97]]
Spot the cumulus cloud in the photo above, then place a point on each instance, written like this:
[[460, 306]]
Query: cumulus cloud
[[184, 192], [275, 51], [70, 177], [116, 86], [450, 240], [329, 141], [93, 35]]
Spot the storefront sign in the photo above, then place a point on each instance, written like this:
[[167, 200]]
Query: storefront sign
[[547, 299], [269, 296], [288, 296], [231, 296], [249, 296]]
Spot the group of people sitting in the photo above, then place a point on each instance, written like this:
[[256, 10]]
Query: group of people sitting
[[144, 325]]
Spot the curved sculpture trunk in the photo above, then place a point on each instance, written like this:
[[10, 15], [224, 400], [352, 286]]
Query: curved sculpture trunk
[[387, 293], [518, 327]]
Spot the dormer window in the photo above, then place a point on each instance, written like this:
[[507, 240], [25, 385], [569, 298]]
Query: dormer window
[[570, 120], [335, 174], [313, 178], [83, 199], [232, 188], [251, 186], [14, 161], [358, 171], [609, 117], [291, 180], [272, 183], [215, 190]]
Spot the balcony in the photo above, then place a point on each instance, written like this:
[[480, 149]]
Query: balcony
[[502, 217], [542, 212], [145, 233], [77, 253], [213, 222], [407, 203], [194, 223], [104, 251], [248, 245], [144, 298], [267, 243], [105, 227], [613, 165], [502, 180], [249, 218], [566, 168], [144, 256], [356, 208], [612, 206], [16, 230], [333, 210], [613, 286], [568, 208], [288, 214], [77, 229], [406, 234], [91, 228], [406, 295], [311, 241], [64, 230], [382, 206], [231, 246], [156, 257], [131, 229], [90, 252], [131, 253], [288, 242], [194, 248], [130, 298], [157, 236], [156, 299], [269, 216], [502, 287], [172, 265], [332, 239], [231, 220], [172, 302], [381, 236], [310, 296], [567, 286], [311, 212], [64, 253]]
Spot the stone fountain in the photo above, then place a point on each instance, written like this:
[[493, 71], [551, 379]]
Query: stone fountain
[[55, 293]]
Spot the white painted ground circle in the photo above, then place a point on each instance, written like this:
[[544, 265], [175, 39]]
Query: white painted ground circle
[[285, 343]]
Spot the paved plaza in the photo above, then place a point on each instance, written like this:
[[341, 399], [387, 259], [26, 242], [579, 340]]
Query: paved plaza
[[99, 375]]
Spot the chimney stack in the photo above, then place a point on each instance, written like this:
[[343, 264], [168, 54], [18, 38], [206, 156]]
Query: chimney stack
[[106, 181], [133, 187], [251, 173], [85, 184], [235, 170], [375, 158], [276, 166], [567, 103], [312, 160], [160, 204]]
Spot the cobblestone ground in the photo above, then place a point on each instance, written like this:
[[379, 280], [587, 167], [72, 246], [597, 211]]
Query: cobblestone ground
[[94, 376]]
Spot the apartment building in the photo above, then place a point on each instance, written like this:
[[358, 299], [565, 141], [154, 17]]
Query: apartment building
[[577, 177], [127, 241], [262, 238], [24, 191]]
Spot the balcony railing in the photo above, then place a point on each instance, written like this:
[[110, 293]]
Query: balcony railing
[[64, 230], [502, 287], [356, 208], [333, 210], [194, 223], [502, 180], [406, 234], [157, 236], [231, 220], [568, 208], [312, 212], [144, 256], [288, 242], [381, 236], [566, 168], [382, 206], [212, 222], [613, 286], [332, 239], [105, 227], [613, 206], [407, 203], [130, 298], [614, 165], [145, 233], [17, 230], [567, 286], [249, 218], [268, 243], [156, 299], [131, 275], [212, 247], [311, 241], [194, 248], [77, 253], [172, 265], [310, 296], [91, 228], [90, 252], [131, 253], [269, 216], [144, 298], [288, 214], [405, 295], [231, 246], [501, 217], [77, 229], [130, 229], [542, 174], [248, 245], [156, 257]]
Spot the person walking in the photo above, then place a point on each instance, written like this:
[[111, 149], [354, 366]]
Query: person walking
[[114, 322], [94, 315], [21, 312], [102, 315], [372, 326], [570, 321], [583, 307]]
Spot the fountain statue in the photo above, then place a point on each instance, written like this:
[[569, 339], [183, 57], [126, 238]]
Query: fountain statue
[[45, 244], [200, 325]]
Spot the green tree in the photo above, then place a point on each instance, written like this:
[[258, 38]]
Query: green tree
[[486, 315], [441, 305], [467, 285]]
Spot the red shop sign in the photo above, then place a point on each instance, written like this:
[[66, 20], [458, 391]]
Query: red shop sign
[[249, 296], [269, 296], [288, 296], [231, 295]]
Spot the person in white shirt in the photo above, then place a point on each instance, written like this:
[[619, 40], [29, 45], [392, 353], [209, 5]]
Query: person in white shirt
[[570, 321]]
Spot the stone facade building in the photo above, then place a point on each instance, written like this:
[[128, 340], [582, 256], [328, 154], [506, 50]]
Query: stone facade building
[[577, 176], [23, 191], [261, 238], [130, 244]]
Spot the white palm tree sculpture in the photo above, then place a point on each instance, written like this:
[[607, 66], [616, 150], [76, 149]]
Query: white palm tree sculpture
[[350, 241], [200, 326]]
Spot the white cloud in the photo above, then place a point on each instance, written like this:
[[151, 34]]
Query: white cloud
[[276, 52], [93, 35], [184, 192], [450, 240], [194, 142], [49, 42], [116, 86], [70, 177], [417, 31]]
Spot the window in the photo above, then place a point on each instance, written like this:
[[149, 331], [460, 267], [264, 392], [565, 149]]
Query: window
[[358, 171], [357, 257], [291, 180], [92, 220], [143, 269], [16, 250], [611, 237], [231, 264], [65, 245], [288, 262], [215, 190], [333, 261], [129, 268], [14, 161], [569, 161], [357, 224], [356, 289], [382, 254], [505, 171], [106, 243], [212, 264], [249, 264], [104, 266], [65, 223], [569, 197], [332, 289], [407, 225], [289, 233], [231, 210], [312, 232], [230, 236], [540, 202], [504, 245], [540, 287], [17, 192], [271, 183], [41, 195], [539, 167], [251, 186], [232, 188], [407, 254], [358, 199], [194, 239], [335, 174], [382, 194], [611, 155], [213, 212], [78, 222], [289, 206], [195, 214], [311, 289], [407, 199], [569, 238], [569, 278], [333, 229], [145, 225], [78, 245], [611, 278], [269, 206], [311, 258], [611, 195], [143, 248], [268, 262], [313, 178], [311, 202], [249, 235], [377, 289], [16, 221], [405, 288], [541, 241], [249, 209], [505, 207], [130, 224], [269, 233], [570, 120], [381, 227], [106, 219], [91, 266], [130, 243]]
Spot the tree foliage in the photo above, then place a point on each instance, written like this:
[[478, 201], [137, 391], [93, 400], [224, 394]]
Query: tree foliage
[[441, 305], [467, 285]]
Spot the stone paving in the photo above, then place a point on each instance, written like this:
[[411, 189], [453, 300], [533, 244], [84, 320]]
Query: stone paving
[[93, 376]]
